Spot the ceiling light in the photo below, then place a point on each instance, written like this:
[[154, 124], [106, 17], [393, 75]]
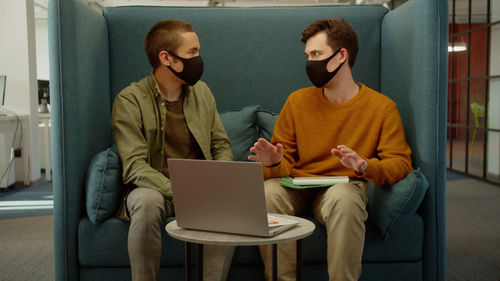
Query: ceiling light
[[458, 47]]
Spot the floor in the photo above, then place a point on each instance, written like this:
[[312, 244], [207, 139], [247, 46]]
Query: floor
[[472, 230], [26, 233], [472, 226]]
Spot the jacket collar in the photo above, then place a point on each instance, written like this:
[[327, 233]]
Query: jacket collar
[[155, 87]]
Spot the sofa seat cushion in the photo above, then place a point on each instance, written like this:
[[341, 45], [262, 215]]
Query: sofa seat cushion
[[404, 246], [407, 245], [105, 245]]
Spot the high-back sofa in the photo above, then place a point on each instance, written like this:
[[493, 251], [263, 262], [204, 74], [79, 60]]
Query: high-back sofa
[[253, 56]]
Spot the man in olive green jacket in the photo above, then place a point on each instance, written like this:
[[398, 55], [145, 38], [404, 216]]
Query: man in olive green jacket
[[168, 114]]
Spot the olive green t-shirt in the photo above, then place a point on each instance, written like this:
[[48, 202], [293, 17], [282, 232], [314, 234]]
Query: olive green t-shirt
[[179, 141]]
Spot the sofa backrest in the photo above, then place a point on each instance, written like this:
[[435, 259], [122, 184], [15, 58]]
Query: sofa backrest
[[252, 55]]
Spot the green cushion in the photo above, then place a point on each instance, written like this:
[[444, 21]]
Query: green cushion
[[245, 126], [265, 123], [103, 186], [390, 208], [241, 129]]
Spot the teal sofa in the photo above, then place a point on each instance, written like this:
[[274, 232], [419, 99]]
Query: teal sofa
[[253, 56]]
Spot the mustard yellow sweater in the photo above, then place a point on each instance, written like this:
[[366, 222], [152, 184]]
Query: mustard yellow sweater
[[309, 126]]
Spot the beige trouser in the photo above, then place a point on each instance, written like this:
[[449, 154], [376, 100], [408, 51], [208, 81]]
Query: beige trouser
[[148, 210], [341, 208]]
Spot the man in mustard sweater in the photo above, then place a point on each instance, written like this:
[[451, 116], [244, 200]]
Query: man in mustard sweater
[[337, 128]]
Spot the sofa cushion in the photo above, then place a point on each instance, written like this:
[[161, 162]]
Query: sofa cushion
[[404, 246], [265, 121], [392, 207], [103, 186], [105, 244], [245, 126], [241, 129]]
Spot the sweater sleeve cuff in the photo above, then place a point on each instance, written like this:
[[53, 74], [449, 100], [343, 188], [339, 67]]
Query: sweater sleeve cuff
[[371, 170], [275, 164], [273, 171]]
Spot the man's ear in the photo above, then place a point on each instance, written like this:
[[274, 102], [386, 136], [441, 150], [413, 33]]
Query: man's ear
[[334, 63], [344, 55], [165, 58]]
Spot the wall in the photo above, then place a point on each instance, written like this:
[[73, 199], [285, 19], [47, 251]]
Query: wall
[[42, 48], [18, 62]]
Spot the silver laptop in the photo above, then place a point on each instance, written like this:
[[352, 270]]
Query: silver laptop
[[222, 196]]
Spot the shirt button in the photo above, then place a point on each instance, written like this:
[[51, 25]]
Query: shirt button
[[162, 103], [161, 128]]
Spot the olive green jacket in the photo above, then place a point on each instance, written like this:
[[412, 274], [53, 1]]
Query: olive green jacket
[[138, 119]]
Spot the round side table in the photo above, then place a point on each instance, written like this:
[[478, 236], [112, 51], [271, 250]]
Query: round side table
[[199, 237]]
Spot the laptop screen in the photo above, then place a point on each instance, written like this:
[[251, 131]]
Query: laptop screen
[[3, 81]]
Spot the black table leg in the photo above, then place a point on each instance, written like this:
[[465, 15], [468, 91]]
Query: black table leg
[[275, 262], [199, 262], [187, 260], [299, 260]]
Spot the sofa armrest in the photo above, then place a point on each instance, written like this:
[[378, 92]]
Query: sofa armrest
[[414, 74], [79, 81]]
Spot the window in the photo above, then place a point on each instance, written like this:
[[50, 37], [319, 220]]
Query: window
[[473, 134]]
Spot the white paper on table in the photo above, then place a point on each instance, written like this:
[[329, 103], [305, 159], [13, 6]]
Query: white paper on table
[[278, 221]]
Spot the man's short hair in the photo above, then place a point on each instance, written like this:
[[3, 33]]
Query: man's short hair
[[340, 35], [164, 36]]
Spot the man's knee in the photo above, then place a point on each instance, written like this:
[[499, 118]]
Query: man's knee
[[273, 189], [146, 204], [345, 192], [277, 197], [346, 199]]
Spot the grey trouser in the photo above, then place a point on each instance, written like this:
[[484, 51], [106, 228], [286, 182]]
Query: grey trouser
[[148, 210], [341, 208]]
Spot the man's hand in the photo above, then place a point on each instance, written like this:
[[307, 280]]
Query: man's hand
[[349, 158], [266, 153]]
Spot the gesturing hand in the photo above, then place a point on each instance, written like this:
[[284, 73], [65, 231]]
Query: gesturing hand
[[349, 158], [266, 153]]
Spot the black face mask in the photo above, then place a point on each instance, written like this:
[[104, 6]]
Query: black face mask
[[317, 72], [192, 71]]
